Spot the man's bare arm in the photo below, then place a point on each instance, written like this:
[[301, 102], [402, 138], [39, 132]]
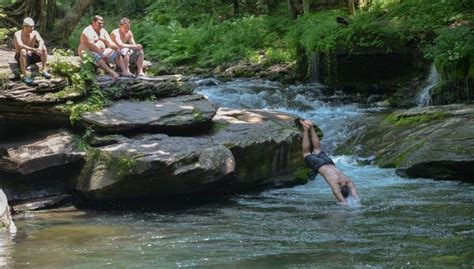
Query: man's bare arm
[[40, 40], [109, 42], [132, 41], [336, 190], [90, 44], [117, 40], [353, 189]]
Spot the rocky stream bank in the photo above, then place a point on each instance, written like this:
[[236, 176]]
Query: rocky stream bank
[[154, 139]]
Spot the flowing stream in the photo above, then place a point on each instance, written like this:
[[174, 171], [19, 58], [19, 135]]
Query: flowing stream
[[402, 222]]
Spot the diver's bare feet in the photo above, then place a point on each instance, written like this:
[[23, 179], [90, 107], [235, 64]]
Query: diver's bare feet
[[309, 123], [304, 124]]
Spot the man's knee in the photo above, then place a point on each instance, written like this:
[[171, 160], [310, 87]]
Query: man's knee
[[23, 53]]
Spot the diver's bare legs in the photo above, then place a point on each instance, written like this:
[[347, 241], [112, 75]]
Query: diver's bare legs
[[314, 136], [306, 145]]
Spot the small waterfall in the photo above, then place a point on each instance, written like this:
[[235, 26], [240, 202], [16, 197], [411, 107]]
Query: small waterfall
[[314, 67], [424, 98]]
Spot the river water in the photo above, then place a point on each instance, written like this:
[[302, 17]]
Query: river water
[[401, 223]]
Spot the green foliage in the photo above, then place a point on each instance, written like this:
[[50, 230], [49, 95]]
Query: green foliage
[[453, 52], [213, 42], [62, 67], [121, 166], [302, 175], [6, 29], [82, 142], [81, 79], [390, 26], [198, 116]]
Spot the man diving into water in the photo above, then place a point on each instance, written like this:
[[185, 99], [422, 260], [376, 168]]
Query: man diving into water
[[341, 186]]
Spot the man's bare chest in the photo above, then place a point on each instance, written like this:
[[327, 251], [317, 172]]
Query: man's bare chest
[[28, 39]]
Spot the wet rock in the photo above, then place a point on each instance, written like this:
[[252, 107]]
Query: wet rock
[[53, 181], [218, 70], [207, 82], [433, 142], [41, 203], [38, 152], [266, 146], [154, 165], [6, 222], [143, 87], [42, 92], [247, 149], [98, 141], [182, 112], [242, 70]]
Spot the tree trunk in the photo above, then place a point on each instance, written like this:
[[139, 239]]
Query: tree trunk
[[235, 4], [51, 11], [293, 9], [69, 22], [306, 6], [350, 7]]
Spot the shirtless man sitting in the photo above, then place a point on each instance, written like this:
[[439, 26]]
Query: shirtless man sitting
[[341, 186], [129, 49], [27, 54], [97, 43]]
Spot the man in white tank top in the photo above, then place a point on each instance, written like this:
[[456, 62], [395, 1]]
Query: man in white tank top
[[129, 49]]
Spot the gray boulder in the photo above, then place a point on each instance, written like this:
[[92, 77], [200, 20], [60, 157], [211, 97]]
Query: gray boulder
[[6, 222], [38, 152], [142, 87], [246, 149], [433, 142], [182, 112], [39, 165]]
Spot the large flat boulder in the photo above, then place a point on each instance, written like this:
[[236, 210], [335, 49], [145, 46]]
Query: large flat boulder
[[143, 87], [39, 164], [247, 149], [173, 113], [151, 165], [433, 142], [30, 154]]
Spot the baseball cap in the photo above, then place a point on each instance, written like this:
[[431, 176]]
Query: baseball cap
[[28, 22]]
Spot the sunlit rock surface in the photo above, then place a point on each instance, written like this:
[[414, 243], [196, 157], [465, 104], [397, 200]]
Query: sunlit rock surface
[[175, 113], [246, 149]]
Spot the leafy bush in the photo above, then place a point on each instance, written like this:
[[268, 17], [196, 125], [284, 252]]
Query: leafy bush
[[6, 28], [453, 52], [211, 42]]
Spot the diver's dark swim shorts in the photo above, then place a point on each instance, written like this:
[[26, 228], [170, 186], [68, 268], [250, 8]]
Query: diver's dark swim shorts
[[316, 161]]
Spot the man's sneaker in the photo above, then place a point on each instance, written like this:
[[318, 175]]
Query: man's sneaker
[[45, 74], [28, 80]]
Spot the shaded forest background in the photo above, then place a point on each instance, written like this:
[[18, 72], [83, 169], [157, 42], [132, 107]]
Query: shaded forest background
[[214, 32]]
